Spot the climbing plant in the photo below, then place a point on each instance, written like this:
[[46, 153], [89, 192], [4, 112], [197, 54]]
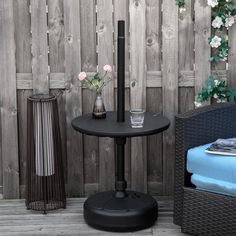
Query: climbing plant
[[223, 12]]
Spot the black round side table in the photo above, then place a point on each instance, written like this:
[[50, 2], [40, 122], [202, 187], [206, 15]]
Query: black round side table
[[120, 210]]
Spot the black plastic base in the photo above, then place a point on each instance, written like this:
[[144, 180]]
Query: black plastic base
[[134, 212]]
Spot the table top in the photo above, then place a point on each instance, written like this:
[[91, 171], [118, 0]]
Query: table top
[[153, 123]]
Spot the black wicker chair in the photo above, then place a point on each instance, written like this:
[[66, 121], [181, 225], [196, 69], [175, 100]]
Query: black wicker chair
[[200, 212]]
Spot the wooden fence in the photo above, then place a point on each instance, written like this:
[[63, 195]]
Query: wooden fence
[[44, 44]]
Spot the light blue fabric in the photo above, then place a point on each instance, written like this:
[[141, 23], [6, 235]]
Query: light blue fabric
[[213, 185], [218, 167]]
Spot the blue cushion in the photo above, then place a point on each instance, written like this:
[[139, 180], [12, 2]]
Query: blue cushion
[[218, 167], [213, 185]]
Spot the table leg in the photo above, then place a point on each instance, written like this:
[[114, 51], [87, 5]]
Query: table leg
[[120, 184], [120, 210]]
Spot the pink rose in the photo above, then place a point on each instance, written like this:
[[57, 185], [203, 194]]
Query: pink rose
[[107, 68], [82, 76]]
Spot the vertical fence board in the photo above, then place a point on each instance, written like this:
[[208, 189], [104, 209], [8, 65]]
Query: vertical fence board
[[73, 97], [138, 90], [23, 64], [89, 63], [88, 35], [1, 165], [105, 56], [56, 38], [202, 48], [91, 157], [231, 82], [154, 159], [169, 87], [39, 46], [186, 54], [153, 37], [154, 99], [121, 12], [8, 102]]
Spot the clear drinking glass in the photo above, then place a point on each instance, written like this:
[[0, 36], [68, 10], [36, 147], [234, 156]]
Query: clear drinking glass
[[137, 118]]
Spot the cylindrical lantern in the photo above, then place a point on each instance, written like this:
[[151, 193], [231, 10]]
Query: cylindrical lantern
[[45, 188]]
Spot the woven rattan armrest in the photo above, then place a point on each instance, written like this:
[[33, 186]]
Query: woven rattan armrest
[[194, 128]]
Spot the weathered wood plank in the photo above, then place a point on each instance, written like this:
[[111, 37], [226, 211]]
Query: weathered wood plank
[[138, 90], [186, 37], [23, 64], [121, 12], [169, 88], [8, 98], [56, 38], [155, 158], [1, 165], [105, 56], [202, 48], [73, 97], [88, 35], [89, 63], [186, 54], [154, 79], [153, 37], [232, 57], [154, 96], [16, 220], [22, 96], [39, 46], [91, 149]]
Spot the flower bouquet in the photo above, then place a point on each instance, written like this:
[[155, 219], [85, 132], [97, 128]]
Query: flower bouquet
[[96, 83]]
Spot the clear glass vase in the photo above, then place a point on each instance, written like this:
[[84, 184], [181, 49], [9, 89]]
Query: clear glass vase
[[99, 111]]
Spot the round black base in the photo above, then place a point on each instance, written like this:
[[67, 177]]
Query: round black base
[[134, 212]]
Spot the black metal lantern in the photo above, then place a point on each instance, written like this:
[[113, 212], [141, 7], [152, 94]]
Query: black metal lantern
[[45, 188]]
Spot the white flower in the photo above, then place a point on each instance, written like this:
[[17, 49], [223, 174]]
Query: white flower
[[107, 68], [224, 59], [229, 21], [182, 10], [217, 22], [215, 96], [212, 3], [215, 42], [82, 75], [197, 104], [217, 82]]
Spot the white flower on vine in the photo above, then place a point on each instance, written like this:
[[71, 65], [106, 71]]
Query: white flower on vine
[[215, 42], [197, 104], [224, 59], [229, 21], [217, 82], [217, 22], [212, 3], [182, 10], [215, 96]]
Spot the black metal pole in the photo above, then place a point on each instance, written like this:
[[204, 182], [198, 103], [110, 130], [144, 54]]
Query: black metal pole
[[121, 72], [120, 167]]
